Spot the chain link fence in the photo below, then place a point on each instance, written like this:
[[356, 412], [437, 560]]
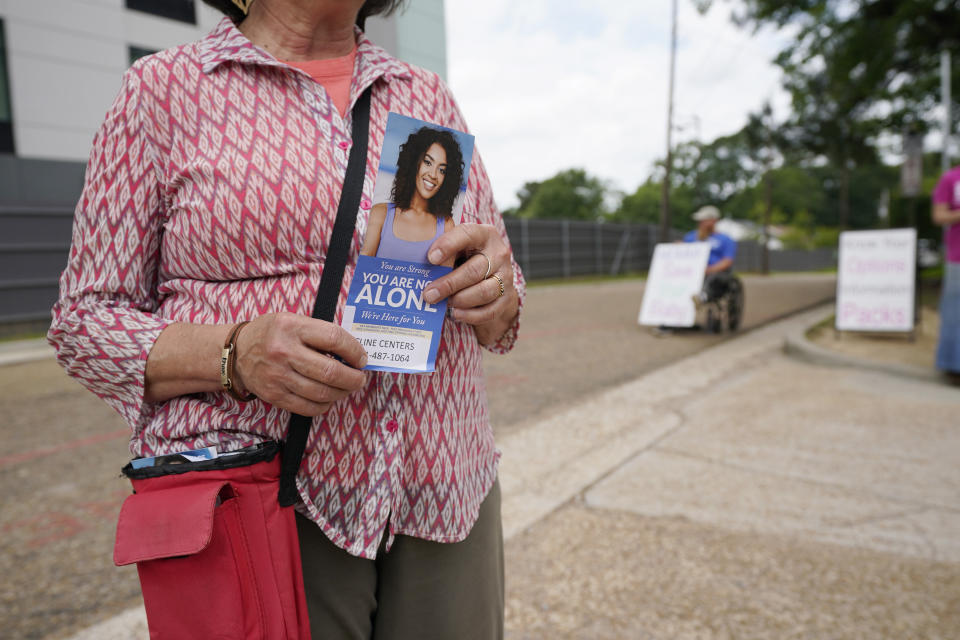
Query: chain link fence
[[34, 242], [566, 248]]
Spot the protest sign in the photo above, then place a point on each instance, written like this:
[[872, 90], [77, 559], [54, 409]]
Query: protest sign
[[876, 280], [676, 274]]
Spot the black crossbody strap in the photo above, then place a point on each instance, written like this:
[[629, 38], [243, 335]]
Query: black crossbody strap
[[331, 279]]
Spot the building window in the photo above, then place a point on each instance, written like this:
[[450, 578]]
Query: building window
[[182, 10], [6, 115], [135, 53]]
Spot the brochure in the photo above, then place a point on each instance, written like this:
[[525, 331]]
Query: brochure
[[181, 457], [418, 195]]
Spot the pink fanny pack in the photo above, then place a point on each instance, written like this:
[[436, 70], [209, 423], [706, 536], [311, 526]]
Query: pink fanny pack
[[217, 556]]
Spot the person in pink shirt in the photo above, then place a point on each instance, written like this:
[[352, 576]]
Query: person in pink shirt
[[946, 213], [209, 201]]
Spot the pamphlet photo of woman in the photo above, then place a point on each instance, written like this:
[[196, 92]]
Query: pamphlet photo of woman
[[423, 199]]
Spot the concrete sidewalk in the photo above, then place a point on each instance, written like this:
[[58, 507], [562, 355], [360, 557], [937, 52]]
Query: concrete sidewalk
[[17, 351], [738, 493]]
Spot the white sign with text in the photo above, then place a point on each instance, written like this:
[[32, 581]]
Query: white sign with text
[[876, 280], [676, 274]]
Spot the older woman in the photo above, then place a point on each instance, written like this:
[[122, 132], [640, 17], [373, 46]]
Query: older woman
[[209, 200]]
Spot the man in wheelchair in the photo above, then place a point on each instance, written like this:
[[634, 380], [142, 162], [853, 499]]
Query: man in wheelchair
[[722, 293]]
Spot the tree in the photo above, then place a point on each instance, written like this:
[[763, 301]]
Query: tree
[[716, 171], [856, 69], [760, 139], [571, 195], [703, 173], [827, 122], [643, 205], [887, 51]]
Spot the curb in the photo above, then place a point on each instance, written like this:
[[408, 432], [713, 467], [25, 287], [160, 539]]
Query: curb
[[126, 625], [798, 346], [20, 351]]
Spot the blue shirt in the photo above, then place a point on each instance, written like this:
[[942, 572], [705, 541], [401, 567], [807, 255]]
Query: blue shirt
[[721, 246]]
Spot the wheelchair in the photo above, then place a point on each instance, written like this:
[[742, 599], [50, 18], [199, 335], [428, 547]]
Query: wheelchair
[[723, 308]]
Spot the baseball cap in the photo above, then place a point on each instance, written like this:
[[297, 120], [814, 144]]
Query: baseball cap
[[708, 212]]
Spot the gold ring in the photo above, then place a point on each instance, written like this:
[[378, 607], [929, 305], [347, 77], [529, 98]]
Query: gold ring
[[499, 282], [489, 264]]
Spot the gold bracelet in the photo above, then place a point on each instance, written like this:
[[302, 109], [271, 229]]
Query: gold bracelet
[[228, 358]]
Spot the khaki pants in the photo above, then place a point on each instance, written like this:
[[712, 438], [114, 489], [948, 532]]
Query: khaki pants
[[419, 590]]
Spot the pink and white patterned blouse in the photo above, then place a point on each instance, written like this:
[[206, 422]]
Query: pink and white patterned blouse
[[210, 197]]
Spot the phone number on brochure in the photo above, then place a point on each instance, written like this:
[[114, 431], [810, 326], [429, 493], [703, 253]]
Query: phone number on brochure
[[385, 356]]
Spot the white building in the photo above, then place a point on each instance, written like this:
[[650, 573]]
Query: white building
[[61, 62]]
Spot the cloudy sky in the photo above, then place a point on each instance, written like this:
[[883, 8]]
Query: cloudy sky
[[548, 85]]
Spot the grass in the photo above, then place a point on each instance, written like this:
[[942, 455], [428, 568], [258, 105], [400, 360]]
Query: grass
[[588, 279], [824, 325], [932, 273], [929, 294], [15, 337], [637, 275], [24, 331]]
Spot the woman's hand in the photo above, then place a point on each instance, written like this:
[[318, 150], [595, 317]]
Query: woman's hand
[[473, 298], [283, 359]]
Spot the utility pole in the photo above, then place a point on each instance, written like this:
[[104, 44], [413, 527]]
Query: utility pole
[[766, 127], [665, 194], [767, 209], [945, 99]]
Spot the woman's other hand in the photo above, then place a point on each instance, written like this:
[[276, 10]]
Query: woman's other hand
[[287, 360], [474, 295]]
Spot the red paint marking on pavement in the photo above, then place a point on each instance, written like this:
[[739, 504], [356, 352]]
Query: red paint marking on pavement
[[106, 509], [17, 458], [56, 525]]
